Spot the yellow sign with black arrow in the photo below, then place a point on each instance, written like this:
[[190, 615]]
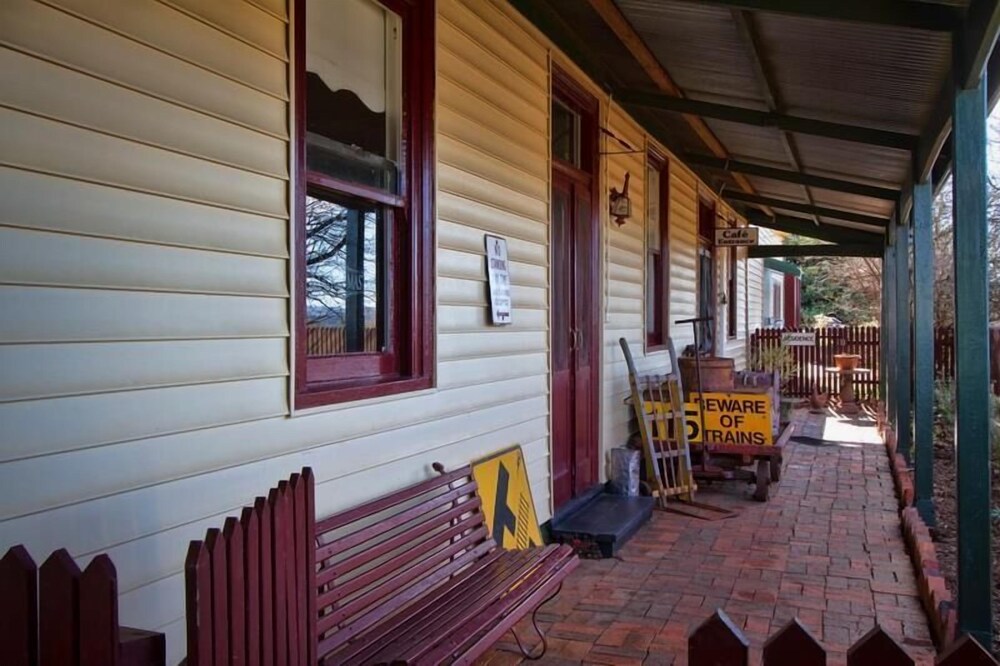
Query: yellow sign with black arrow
[[508, 507]]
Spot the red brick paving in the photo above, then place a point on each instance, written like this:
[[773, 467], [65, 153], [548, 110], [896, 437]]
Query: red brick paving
[[826, 548]]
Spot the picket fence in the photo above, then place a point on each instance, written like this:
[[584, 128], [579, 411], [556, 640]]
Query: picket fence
[[249, 586], [58, 615], [719, 642], [812, 362]]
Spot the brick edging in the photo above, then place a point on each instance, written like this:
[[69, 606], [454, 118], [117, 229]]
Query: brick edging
[[934, 595]]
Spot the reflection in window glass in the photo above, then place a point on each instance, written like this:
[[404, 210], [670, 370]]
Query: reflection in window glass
[[653, 209], [353, 92], [344, 265], [565, 134]]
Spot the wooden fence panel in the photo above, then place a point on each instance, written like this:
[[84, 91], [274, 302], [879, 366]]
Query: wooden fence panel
[[58, 601], [18, 607], [99, 613], [812, 362], [57, 615], [719, 642], [793, 644], [248, 585]]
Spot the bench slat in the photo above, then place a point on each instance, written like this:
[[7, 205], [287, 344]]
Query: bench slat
[[387, 608], [385, 632], [497, 618], [429, 629], [428, 550], [329, 571], [369, 509], [472, 649], [354, 539]]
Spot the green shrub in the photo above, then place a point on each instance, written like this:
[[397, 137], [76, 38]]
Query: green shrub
[[944, 403]]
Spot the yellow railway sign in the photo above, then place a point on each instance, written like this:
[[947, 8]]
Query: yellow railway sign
[[730, 418], [734, 418], [508, 507]]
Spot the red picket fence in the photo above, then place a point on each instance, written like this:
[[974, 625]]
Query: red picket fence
[[944, 354], [812, 362], [57, 615], [718, 642], [248, 585]]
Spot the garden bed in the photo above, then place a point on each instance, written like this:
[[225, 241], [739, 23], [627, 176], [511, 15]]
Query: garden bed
[[946, 509]]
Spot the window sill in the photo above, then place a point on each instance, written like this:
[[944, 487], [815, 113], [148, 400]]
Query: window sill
[[349, 394]]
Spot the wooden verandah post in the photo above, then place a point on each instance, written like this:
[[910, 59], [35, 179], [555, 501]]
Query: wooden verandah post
[[972, 381], [923, 349], [889, 320], [901, 360]]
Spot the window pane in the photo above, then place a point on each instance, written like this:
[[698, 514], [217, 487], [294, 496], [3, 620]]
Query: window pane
[[565, 134], [652, 294], [653, 209], [353, 92], [345, 298]]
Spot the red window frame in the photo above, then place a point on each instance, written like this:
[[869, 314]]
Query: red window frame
[[407, 363], [658, 297]]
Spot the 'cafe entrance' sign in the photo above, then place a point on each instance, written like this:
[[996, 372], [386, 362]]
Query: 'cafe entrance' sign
[[736, 236]]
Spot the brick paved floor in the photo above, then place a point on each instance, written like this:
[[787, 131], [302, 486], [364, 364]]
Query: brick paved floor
[[826, 549]]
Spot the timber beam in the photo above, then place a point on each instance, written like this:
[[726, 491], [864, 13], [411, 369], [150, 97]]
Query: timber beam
[[825, 232], [808, 209], [975, 41], [737, 114], [919, 15], [789, 176], [616, 21], [837, 250]]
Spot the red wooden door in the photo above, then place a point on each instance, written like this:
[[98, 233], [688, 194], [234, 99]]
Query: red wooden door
[[575, 350]]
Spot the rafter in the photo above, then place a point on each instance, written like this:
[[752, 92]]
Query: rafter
[[921, 15], [802, 227], [785, 175], [808, 209], [744, 21], [837, 250], [737, 114], [616, 21]]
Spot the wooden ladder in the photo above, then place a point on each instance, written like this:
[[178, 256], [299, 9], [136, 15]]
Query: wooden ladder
[[658, 401]]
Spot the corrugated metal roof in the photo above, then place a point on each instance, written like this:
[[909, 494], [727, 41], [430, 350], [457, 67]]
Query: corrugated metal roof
[[871, 75], [674, 32], [852, 73]]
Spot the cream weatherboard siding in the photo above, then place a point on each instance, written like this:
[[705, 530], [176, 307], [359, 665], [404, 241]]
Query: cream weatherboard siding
[[144, 235], [144, 263]]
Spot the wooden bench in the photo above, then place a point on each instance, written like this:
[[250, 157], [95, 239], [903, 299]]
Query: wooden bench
[[410, 578]]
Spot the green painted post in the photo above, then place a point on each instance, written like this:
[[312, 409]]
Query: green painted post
[[889, 330], [923, 349], [904, 319], [883, 338], [972, 379]]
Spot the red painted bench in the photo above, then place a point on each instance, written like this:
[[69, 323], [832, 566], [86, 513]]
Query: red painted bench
[[409, 578]]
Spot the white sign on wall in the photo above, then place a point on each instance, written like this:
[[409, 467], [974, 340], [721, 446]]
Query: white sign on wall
[[498, 272], [736, 236], [798, 339]]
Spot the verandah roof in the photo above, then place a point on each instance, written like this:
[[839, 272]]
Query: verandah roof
[[803, 114]]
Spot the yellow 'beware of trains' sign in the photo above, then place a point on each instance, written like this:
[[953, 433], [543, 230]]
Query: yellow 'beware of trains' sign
[[508, 507], [730, 418]]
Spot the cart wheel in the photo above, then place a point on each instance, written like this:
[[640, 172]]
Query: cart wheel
[[775, 469], [763, 480]]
